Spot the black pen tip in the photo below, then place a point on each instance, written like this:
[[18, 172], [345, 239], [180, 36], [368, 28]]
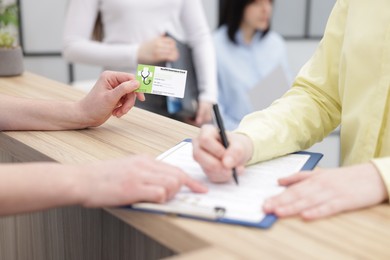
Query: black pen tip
[[235, 179]]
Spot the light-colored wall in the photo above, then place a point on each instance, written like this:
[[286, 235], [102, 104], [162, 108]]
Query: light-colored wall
[[42, 22]]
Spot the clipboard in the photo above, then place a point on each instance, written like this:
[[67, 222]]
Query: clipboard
[[200, 206]]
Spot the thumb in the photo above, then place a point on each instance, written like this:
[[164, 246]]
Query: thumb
[[234, 156], [125, 88]]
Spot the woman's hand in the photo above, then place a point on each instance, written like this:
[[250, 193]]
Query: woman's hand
[[113, 94], [325, 192], [133, 179], [158, 50]]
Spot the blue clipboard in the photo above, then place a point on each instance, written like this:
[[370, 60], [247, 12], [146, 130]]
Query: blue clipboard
[[216, 214]]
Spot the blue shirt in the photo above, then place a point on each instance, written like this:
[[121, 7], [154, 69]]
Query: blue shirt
[[241, 67]]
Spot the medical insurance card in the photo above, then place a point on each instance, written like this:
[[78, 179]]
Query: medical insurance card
[[161, 80]]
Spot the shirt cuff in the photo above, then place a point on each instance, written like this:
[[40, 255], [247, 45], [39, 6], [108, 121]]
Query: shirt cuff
[[209, 96], [253, 159], [383, 166]]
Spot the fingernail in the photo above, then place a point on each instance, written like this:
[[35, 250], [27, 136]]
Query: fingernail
[[204, 189], [133, 83]]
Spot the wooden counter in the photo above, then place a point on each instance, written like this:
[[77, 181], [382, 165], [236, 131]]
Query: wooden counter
[[77, 233]]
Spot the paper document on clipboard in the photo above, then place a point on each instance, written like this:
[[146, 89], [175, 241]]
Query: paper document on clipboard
[[227, 202]]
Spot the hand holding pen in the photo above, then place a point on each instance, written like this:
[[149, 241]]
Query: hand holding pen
[[216, 160], [222, 133]]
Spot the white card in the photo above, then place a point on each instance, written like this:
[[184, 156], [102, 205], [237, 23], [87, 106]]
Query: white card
[[161, 80]]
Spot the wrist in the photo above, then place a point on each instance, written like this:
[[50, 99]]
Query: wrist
[[80, 187], [67, 185], [248, 147], [82, 119]]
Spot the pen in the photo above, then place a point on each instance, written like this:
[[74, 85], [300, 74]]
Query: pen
[[222, 133]]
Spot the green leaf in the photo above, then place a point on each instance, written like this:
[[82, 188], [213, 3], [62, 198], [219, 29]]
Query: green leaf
[[9, 15]]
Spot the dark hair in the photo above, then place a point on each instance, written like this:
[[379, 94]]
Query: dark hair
[[231, 13]]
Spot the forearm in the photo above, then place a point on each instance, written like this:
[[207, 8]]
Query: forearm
[[294, 122], [28, 114], [200, 40], [78, 45], [37, 186], [101, 54], [206, 69]]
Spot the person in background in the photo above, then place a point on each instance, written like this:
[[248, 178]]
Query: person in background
[[247, 53], [35, 186], [134, 33], [347, 83]]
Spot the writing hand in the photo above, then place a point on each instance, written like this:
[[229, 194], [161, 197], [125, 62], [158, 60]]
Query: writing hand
[[216, 161]]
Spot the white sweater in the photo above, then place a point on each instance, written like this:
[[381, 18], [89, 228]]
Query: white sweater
[[129, 23]]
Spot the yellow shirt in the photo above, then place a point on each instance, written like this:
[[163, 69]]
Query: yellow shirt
[[346, 83]]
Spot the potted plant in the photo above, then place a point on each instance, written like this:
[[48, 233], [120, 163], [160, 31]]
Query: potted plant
[[11, 55]]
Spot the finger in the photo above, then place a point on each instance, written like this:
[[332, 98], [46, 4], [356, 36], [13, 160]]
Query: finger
[[207, 117], [199, 119], [240, 170], [303, 204], [173, 178], [119, 109], [125, 88], [289, 196], [211, 165], [171, 55], [154, 193], [179, 178], [114, 78], [115, 113], [171, 183], [220, 177], [140, 96], [168, 49], [167, 42], [195, 185], [210, 141], [297, 177], [203, 116], [165, 45], [324, 210], [234, 155], [128, 104]]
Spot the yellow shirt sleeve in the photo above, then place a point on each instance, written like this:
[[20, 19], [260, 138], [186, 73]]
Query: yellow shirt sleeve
[[311, 109]]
